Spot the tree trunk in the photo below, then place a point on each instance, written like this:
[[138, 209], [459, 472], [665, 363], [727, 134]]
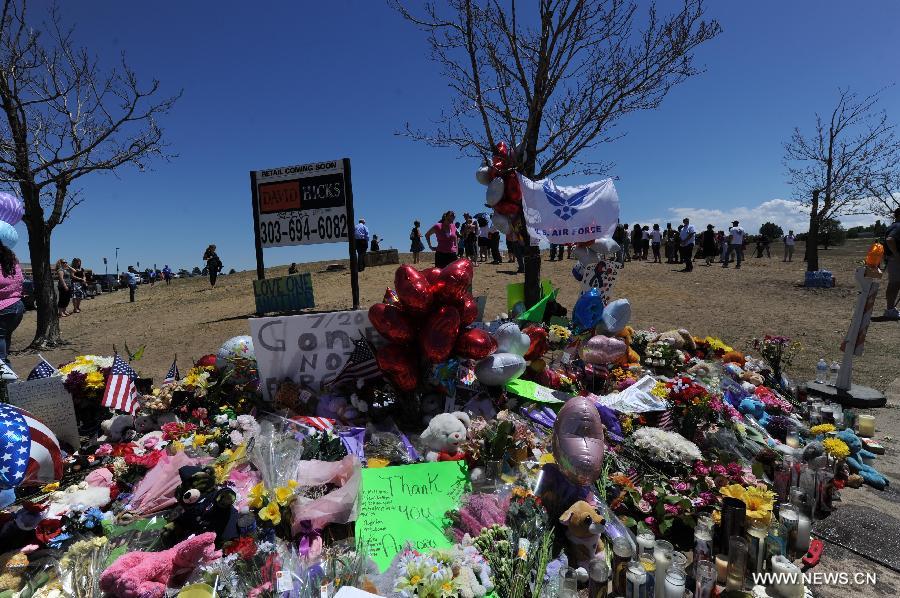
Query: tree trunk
[[532, 252], [47, 332], [812, 237]]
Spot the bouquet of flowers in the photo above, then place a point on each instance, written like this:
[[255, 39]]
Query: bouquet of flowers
[[665, 447], [693, 405], [661, 355], [778, 351]]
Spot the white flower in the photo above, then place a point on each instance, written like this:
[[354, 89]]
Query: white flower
[[666, 446]]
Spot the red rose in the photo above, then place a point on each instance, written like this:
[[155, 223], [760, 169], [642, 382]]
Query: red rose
[[47, 529], [244, 547]]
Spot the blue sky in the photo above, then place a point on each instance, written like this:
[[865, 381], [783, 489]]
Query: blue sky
[[270, 84]]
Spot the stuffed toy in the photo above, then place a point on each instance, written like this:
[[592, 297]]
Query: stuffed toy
[[13, 566], [444, 434], [631, 356], [701, 369], [734, 357], [680, 339], [149, 574], [870, 475], [145, 424], [202, 505], [81, 495], [119, 428], [583, 528], [755, 408]]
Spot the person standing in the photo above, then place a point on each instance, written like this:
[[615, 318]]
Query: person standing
[[708, 243], [721, 245], [470, 238], [892, 266], [669, 241], [361, 241], [735, 244], [484, 238], [292, 269], [554, 251], [132, 277], [637, 245], [447, 240], [645, 242], [496, 258], [167, 274], [619, 237], [789, 242], [415, 241], [655, 242], [79, 281], [213, 264], [626, 243], [11, 307], [688, 236], [63, 287], [375, 246]]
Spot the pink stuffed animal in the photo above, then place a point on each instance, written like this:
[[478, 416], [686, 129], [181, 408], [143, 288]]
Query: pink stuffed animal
[[148, 574]]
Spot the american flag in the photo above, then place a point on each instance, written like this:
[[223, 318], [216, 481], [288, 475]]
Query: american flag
[[173, 373], [361, 364], [42, 370], [121, 394], [322, 424], [29, 451]]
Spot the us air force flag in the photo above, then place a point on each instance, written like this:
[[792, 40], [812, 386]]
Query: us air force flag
[[569, 214]]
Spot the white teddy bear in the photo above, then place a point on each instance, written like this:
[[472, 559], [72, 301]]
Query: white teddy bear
[[444, 435]]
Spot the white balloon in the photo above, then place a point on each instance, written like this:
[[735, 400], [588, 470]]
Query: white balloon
[[494, 192], [483, 175], [615, 316], [501, 223], [511, 340], [606, 245], [499, 368]]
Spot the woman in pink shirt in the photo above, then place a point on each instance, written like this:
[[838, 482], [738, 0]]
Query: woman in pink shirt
[[11, 306], [447, 238]]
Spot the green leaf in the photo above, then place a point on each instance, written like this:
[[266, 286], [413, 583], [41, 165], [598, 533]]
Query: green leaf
[[665, 525]]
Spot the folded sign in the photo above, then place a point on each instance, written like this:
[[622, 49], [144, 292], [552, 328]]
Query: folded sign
[[569, 214]]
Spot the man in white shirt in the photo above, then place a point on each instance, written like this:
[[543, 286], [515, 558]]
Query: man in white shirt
[[735, 244], [655, 241], [688, 236], [789, 242]]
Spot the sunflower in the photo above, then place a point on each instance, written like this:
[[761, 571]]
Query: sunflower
[[271, 512]]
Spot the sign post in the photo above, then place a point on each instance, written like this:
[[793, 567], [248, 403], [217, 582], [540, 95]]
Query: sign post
[[304, 204]]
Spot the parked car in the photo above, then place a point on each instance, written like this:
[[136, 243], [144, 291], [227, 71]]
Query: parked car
[[107, 282], [28, 293]]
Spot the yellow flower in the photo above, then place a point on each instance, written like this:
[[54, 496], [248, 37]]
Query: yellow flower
[[199, 440], [271, 512], [836, 447], [51, 487], [732, 491], [378, 462], [717, 517], [414, 580], [284, 495], [257, 496], [292, 484], [759, 503], [821, 429], [95, 380]]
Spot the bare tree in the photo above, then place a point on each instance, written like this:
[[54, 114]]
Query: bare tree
[[66, 117], [833, 169], [884, 193], [555, 79]]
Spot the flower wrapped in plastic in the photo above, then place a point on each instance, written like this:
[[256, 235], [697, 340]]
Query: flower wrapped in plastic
[[80, 568]]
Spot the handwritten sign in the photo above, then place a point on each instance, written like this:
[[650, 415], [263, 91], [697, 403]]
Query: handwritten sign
[[537, 393], [286, 293], [309, 349], [49, 401], [406, 505]]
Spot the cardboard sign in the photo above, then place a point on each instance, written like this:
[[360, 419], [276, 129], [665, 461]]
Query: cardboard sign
[[286, 293], [406, 505], [49, 401], [309, 349]]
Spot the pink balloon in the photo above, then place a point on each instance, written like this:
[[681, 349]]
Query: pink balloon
[[11, 208], [578, 444], [601, 349]]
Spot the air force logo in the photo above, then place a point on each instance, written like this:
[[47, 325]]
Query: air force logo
[[566, 207]]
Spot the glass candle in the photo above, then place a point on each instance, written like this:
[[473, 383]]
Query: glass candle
[[734, 512], [774, 544], [737, 563], [804, 525], [793, 439], [705, 579], [679, 560], [721, 568], [635, 581], [598, 578], [756, 535], [703, 539], [865, 425], [822, 506], [849, 419], [645, 541], [622, 555], [790, 521], [675, 581], [649, 564], [783, 473], [662, 556], [568, 582]]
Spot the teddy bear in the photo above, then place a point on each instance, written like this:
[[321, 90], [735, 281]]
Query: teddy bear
[[118, 428], [146, 423], [149, 574], [681, 339], [734, 357], [202, 505], [754, 378], [13, 566], [444, 435], [583, 528], [631, 356], [870, 475], [755, 408]]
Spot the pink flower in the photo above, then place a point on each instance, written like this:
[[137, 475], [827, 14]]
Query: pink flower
[[650, 497], [644, 506], [671, 510], [715, 404], [682, 487], [236, 437], [104, 450], [734, 469], [719, 469], [701, 468], [707, 497], [151, 442], [200, 413]]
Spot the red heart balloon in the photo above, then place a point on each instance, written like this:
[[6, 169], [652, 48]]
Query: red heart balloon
[[206, 360], [454, 281], [413, 288], [391, 323], [512, 191], [399, 365], [538, 345], [431, 274], [507, 208], [474, 344], [439, 333], [468, 310]]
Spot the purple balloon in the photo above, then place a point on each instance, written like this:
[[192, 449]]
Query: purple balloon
[[578, 444], [11, 208]]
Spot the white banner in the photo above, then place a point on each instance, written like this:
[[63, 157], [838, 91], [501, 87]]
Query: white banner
[[569, 214], [309, 349]]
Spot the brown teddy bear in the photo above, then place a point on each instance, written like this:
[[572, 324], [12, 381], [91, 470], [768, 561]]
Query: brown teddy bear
[[734, 357], [583, 528], [631, 356]]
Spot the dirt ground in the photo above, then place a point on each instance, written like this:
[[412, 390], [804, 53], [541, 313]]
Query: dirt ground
[[764, 297]]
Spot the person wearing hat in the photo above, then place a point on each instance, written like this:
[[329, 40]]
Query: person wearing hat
[[687, 234], [361, 236], [735, 244]]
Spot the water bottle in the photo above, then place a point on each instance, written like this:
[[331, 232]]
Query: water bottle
[[833, 373], [821, 371]]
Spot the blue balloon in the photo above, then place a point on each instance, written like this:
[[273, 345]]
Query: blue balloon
[[8, 234], [588, 310]]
